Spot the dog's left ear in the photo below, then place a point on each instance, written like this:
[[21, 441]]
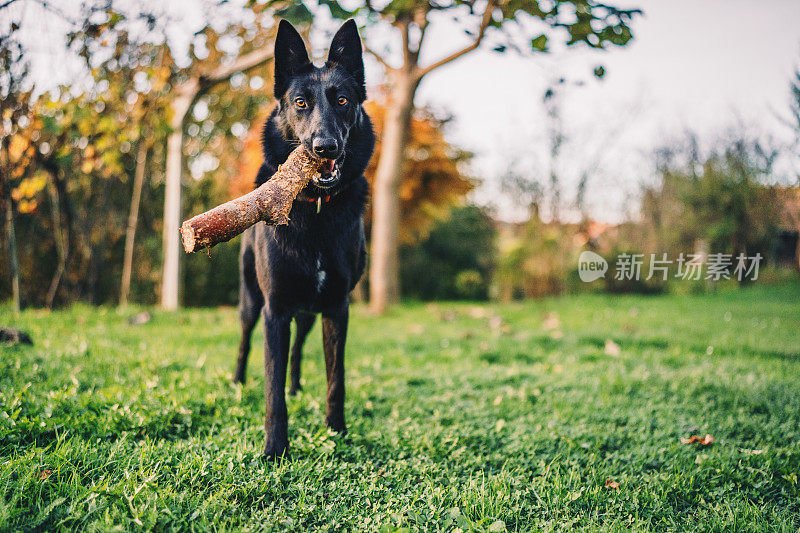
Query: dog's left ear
[[346, 52], [290, 56]]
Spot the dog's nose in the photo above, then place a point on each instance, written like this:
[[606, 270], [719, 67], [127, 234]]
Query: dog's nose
[[327, 148]]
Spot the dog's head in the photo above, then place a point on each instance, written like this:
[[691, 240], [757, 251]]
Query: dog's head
[[319, 106]]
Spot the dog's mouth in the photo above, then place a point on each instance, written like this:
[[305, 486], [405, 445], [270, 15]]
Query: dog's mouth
[[328, 173]]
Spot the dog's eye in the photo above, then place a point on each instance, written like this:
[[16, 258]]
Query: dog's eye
[[342, 100], [301, 103]]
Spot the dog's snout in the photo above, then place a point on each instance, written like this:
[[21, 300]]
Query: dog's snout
[[326, 147]]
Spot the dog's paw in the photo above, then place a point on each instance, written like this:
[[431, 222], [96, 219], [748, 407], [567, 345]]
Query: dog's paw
[[336, 425], [276, 454]]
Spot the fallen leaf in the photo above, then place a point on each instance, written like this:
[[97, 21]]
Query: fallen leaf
[[478, 312], [416, 329], [612, 348], [44, 474], [551, 321], [751, 452], [497, 526], [697, 439], [139, 319], [611, 484]]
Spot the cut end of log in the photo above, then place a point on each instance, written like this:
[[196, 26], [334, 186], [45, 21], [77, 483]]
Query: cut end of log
[[188, 237]]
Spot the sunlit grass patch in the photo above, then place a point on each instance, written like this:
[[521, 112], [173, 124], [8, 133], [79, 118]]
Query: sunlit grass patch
[[549, 414]]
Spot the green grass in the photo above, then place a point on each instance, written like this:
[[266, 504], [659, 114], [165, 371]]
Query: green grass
[[460, 416]]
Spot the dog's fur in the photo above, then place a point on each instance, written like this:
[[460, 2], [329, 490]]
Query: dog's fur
[[310, 265]]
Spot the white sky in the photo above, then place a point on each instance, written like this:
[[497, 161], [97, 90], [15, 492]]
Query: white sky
[[699, 65]]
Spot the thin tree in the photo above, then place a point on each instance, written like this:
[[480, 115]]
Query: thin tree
[[14, 104], [11, 236], [795, 110], [133, 219], [794, 104], [186, 94], [62, 245]]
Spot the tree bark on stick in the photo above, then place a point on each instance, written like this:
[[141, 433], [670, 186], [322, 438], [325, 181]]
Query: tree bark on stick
[[133, 218], [270, 203]]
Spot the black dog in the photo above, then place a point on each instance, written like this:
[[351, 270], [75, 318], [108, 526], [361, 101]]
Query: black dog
[[311, 265]]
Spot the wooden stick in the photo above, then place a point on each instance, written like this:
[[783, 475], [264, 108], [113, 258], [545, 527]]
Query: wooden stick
[[271, 203]]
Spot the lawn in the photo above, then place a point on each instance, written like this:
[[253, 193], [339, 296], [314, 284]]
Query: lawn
[[522, 416]]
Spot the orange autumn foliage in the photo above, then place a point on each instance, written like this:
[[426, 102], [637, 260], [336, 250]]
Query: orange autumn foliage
[[432, 179], [250, 159]]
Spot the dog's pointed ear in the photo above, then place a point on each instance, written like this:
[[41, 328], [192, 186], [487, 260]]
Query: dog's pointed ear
[[290, 55], [346, 52]]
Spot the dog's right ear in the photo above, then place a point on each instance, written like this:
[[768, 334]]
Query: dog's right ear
[[290, 55]]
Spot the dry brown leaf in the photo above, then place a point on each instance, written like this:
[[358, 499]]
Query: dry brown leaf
[[697, 439], [416, 329], [495, 322], [611, 484], [551, 321], [612, 348], [44, 474], [478, 312]]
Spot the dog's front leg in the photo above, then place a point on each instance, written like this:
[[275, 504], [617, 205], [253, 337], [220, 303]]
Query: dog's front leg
[[334, 334], [276, 351]]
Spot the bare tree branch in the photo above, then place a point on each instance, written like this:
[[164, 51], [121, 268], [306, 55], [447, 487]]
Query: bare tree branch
[[408, 58], [377, 56], [7, 3], [422, 21], [486, 19], [242, 63]]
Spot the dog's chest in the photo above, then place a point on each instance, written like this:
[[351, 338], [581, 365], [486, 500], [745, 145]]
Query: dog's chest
[[310, 277], [321, 275]]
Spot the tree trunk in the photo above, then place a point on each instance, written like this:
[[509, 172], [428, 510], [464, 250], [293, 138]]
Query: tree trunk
[[12, 250], [11, 234], [98, 264], [186, 93], [359, 293], [797, 254], [133, 218], [172, 194], [384, 286], [63, 214], [62, 245]]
